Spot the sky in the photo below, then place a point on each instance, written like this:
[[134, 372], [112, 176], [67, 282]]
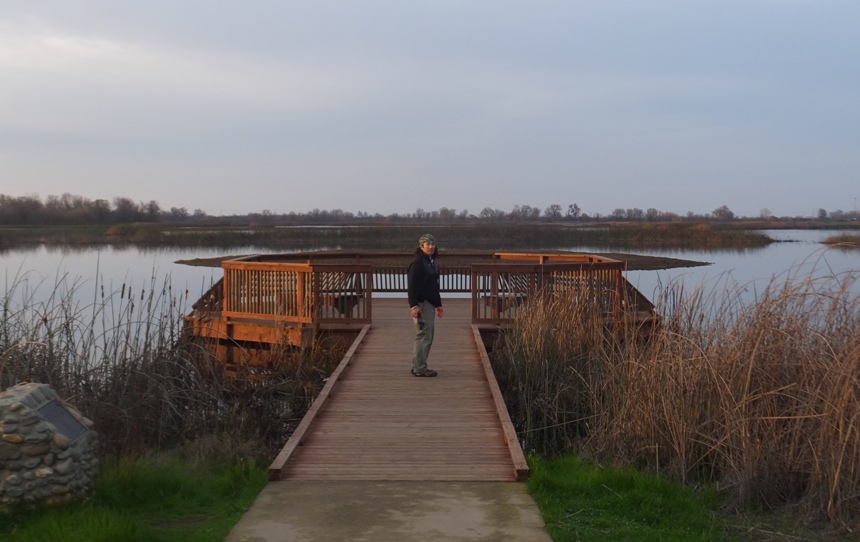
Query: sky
[[392, 106]]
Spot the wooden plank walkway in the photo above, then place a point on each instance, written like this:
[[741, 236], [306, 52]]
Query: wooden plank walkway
[[378, 422]]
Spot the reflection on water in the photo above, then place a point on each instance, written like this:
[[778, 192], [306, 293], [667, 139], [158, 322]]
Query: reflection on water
[[111, 267], [138, 268], [800, 254]]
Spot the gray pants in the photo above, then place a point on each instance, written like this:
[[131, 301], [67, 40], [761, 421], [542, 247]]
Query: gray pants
[[424, 327]]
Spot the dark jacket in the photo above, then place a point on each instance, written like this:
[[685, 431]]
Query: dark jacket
[[423, 279]]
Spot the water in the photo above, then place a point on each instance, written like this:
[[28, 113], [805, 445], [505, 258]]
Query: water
[[38, 272], [800, 255], [89, 271], [115, 264]]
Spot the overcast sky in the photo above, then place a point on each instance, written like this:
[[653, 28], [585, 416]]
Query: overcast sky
[[391, 106]]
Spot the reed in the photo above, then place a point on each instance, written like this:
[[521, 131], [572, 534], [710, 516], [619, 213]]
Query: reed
[[761, 398], [122, 359], [548, 371], [474, 235], [844, 241]]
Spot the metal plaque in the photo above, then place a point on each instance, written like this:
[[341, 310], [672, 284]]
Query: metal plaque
[[66, 424]]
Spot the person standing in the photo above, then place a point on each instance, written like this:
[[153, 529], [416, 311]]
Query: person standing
[[425, 302]]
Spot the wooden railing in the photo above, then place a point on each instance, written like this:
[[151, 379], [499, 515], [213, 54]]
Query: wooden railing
[[599, 285], [392, 278], [297, 293], [343, 293], [500, 290], [338, 289], [268, 291]]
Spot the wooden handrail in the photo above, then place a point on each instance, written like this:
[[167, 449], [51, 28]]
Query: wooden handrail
[[547, 258], [268, 291], [337, 287], [297, 293]]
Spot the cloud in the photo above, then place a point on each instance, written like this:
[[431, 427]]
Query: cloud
[[71, 84], [491, 103]]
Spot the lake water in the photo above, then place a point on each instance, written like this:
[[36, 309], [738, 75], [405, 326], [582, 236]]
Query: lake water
[[800, 255], [41, 269], [36, 273]]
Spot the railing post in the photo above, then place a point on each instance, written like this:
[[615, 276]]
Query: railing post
[[619, 293], [226, 303], [474, 283], [494, 293], [368, 300]]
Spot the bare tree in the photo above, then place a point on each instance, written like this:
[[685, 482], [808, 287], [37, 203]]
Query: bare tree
[[125, 210], [101, 210], [447, 215], [178, 213], [553, 212], [151, 210], [723, 213]]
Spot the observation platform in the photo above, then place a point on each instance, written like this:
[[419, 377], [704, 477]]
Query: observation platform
[[296, 299]]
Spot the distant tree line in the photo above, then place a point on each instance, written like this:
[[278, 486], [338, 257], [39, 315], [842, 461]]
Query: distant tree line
[[70, 209]]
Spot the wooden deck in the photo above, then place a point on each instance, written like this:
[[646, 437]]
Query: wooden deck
[[375, 421]]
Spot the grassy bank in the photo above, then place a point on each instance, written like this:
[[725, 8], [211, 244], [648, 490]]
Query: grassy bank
[[196, 494], [760, 400], [582, 501], [166, 498], [479, 235]]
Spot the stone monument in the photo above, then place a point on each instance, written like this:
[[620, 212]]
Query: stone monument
[[47, 449]]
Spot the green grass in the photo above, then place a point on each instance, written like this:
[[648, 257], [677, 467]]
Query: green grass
[[583, 502], [152, 500], [166, 499]]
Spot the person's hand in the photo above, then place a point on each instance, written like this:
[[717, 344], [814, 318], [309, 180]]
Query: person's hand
[[415, 311], [439, 312]]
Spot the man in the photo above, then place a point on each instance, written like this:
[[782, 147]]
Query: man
[[424, 301]]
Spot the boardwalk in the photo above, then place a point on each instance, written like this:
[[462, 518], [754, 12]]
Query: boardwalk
[[381, 423]]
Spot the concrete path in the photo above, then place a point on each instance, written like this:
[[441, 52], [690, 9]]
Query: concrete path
[[368, 511]]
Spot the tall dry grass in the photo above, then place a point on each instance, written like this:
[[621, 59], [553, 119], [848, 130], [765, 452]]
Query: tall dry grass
[[547, 370], [760, 397], [120, 357]]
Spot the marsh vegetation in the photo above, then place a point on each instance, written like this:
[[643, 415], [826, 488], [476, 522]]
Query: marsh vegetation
[[123, 360], [479, 235], [847, 241], [761, 399]]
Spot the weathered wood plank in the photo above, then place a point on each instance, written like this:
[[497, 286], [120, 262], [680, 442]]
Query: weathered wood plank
[[295, 440], [381, 423], [521, 468]]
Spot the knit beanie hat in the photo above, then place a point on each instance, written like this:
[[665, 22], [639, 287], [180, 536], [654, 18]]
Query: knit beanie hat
[[426, 238]]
